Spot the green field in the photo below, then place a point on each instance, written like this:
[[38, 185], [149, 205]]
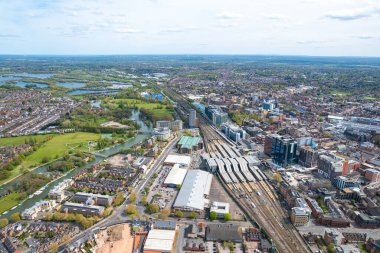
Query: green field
[[21, 139], [342, 93], [52, 149], [158, 111], [8, 202], [57, 147], [162, 114], [130, 102], [371, 98]]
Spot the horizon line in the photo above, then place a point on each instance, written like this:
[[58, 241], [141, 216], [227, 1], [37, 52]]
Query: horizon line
[[195, 54]]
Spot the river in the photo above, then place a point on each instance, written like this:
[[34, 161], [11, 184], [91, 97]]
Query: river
[[141, 136]]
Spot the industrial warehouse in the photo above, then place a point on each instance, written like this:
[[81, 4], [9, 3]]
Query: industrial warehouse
[[181, 160], [194, 191], [175, 176], [160, 241], [187, 144]]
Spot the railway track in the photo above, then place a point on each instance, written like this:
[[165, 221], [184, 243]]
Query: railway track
[[257, 199], [267, 211]]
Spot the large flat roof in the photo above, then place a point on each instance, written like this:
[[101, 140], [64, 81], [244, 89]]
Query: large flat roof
[[81, 206], [196, 185], [223, 232], [220, 207], [160, 240], [175, 176], [183, 160], [86, 194], [189, 141], [299, 211]]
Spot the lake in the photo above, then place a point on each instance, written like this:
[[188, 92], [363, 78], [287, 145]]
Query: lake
[[24, 84], [9, 78], [18, 76], [42, 76], [71, 85], [84, 92]]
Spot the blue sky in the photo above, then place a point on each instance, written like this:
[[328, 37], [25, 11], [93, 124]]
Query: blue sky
[[291, 27]]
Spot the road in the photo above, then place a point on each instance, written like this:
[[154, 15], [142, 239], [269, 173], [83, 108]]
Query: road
[[118, 213], [266, 210]]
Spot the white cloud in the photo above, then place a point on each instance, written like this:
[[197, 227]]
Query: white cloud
[[274, 16], [182, 26], [366, 37], [228, 15], [172, 30], [127, 30], [353, 14], [178, 29], [225, 25], [308, 42]]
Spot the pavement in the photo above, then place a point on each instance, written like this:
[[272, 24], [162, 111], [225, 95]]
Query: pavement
[[180, 242]]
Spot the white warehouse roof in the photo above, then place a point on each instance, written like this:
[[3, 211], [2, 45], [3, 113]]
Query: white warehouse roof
[[220, 207], [160, 240], [182, 160], [175, 176], [196, 185]]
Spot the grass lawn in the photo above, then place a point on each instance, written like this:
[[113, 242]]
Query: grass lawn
[[159, 111], [130, 102], [162, 113], [52, 149], [362, 248], [102, 120], [322, 205], [10, 141], [57, 147], [335, 92], [8, 202], [78, 97], [371, 98]]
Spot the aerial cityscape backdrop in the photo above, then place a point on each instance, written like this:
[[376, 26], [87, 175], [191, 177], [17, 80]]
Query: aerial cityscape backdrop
[[197, 126]]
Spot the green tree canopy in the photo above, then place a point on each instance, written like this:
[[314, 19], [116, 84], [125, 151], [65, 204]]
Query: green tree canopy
[[15, 217], [193, 215], [132, 197], [3, 222], [153, 208], [213, 215], [131, 209], [179, 214], [330, 247]]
